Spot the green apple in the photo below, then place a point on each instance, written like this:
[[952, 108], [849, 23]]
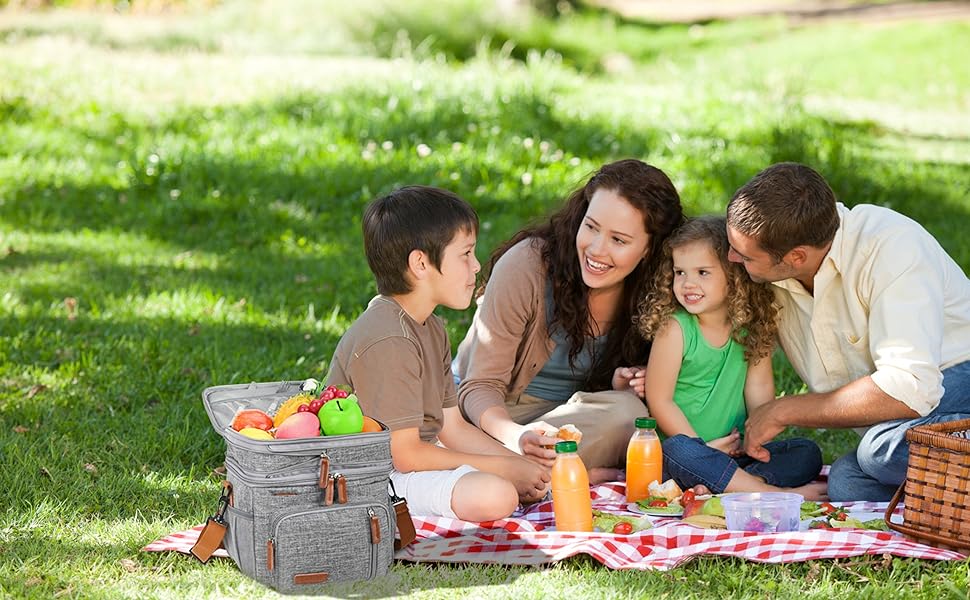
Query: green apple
[[341, 416], [713, 507]]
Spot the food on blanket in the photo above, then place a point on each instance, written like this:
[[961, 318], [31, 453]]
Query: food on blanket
[[608, 522], [706, 521], [290, 407], [659, 506], [668, 489], [252, 417], [341, 416], [623, 528], [299, 425], [713, 506], [848, 523], [256, 434], [762, 512], [371, 425]]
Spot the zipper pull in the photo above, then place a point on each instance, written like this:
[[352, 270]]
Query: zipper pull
[[328, 491], [269, 555], [375, 527], [324, 470], [341, 482]]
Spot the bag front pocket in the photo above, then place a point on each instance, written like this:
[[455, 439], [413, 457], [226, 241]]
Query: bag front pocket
[[239, 540], [343, 542]]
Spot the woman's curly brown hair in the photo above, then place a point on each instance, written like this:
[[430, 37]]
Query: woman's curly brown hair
[[751, 306], [651, 192]]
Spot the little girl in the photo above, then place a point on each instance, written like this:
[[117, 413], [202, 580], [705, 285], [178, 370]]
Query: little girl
[[713, 332]]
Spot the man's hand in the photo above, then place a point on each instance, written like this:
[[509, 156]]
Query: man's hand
[[538, 447], [531, 480], [630, 379], [762, 426], [729, 444]]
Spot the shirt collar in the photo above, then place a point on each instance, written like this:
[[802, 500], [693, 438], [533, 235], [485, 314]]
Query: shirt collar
[[832, 264]]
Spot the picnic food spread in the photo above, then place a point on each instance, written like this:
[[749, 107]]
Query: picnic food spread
[[708, 512], [317, 410]]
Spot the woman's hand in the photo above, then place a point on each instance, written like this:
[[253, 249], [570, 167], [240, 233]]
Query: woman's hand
[[630, 379], [536, 446], [729, 444]]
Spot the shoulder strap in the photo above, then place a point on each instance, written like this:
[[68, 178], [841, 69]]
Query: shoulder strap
[[405, 526]]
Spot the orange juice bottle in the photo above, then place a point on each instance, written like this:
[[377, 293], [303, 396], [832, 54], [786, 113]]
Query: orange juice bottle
[[571, 501], [644, 460]]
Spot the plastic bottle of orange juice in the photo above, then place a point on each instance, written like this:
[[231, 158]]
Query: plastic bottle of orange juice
[[644, 460], [571, 501]]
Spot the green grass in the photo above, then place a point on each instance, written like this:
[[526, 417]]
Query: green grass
[[192, 184]]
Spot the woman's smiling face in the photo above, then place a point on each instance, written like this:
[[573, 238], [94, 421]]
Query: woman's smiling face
[[611, 241]]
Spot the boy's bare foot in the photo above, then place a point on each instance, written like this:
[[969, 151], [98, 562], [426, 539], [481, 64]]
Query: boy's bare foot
[[817, 491], [599, 475]]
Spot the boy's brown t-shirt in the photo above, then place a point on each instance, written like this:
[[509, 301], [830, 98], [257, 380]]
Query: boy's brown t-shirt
[[399, 369]]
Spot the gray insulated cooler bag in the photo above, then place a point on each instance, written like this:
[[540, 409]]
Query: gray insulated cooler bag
[[298, 513]]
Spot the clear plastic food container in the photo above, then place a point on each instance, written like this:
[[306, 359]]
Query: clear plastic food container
[[763, 512]]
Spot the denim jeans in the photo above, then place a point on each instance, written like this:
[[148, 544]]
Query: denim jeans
[[689, 461], [875, 470]]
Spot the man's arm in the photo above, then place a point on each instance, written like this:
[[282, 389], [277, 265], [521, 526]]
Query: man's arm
[[857, 404]]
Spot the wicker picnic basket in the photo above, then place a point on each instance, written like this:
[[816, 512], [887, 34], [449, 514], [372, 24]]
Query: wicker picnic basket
[[937, 486]]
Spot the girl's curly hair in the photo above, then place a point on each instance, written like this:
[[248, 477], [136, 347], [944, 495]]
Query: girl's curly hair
[[651, 192], [751, 306]]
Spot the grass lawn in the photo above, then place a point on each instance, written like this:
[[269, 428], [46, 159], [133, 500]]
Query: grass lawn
[[180, 202]]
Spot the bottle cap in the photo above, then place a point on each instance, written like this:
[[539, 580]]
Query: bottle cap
[[645, 423], [567, 446]]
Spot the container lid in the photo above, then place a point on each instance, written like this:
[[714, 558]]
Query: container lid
[[567, 446], [645, 423]]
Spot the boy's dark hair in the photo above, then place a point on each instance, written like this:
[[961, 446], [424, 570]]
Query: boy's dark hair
[[784, 206], [414, 217]]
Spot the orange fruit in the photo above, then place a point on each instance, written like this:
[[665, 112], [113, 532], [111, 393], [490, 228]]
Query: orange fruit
[[370, 425]]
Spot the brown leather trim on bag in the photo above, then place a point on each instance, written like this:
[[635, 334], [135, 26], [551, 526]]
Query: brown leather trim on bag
[[269, 555], [405, 526], [308, 578], [341, 489], [324, 472], [328, 493], [210, 540], [375, 530]]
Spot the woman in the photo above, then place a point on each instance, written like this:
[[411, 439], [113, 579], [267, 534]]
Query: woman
[[556, 314]]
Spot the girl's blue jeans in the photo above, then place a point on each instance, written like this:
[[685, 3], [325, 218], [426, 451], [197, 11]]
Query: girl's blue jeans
[[689, 461], [875, 470]]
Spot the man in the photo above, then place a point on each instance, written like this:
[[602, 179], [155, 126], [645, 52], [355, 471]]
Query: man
[[875, 318]]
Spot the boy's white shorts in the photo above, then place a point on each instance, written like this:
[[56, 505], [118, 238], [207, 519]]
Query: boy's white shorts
[[429, 492]]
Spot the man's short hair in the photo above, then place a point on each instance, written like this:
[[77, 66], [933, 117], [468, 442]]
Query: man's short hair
[[411, 218], [784, 206]]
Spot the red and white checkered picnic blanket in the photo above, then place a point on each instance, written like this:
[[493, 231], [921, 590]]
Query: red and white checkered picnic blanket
[[529, 538]]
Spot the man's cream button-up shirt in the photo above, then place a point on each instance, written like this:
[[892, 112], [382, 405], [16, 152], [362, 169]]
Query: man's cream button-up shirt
[[889, 302]]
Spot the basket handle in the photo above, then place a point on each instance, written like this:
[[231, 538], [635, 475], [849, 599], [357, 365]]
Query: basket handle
[[892, 506], [912, 531]]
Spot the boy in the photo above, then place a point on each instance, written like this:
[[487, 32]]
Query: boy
[[420, 245]]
